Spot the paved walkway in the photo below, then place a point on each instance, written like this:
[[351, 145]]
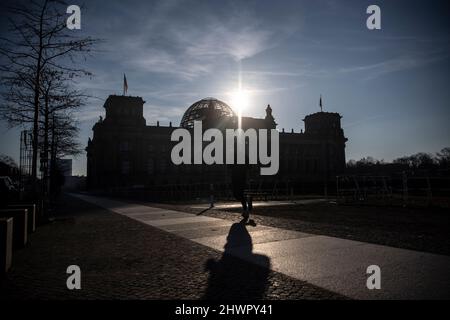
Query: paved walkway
[[331, 263], [122, 258], [271, 203]]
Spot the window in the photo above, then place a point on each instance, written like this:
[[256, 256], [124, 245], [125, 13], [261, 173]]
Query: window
[[150, 166], [124, 146], [162, 166], [125, 167]]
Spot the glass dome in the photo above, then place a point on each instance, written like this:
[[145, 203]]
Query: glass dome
[[201, 110]]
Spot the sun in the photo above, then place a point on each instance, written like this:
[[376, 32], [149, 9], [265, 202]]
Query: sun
[[240, 100]]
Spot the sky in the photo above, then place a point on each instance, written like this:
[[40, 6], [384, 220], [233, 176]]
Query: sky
[[391, 86]]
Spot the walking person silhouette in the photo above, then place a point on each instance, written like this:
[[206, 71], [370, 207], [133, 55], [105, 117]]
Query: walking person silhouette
[[239, 173]]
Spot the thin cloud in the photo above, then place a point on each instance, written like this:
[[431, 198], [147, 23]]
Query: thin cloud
[[178, 43], [166, 114], [226, 41], [394, 65]]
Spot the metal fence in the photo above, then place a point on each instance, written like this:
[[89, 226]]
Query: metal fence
[[260, 190], [395, 189]]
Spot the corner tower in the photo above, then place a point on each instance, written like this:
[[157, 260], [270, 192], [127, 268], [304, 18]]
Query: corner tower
[[124, 111]]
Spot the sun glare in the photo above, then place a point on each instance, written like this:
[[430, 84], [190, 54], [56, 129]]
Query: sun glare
[[240, 100]]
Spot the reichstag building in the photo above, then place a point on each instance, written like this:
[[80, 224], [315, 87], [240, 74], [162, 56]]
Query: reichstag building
[[125, 153]]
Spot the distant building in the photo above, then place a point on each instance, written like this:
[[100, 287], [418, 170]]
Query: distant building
[[65, 167], [125, 152]]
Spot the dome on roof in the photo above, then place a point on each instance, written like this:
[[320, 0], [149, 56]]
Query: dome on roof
[[202, 109]]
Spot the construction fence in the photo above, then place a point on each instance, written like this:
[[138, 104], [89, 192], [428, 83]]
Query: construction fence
[[396, 189]]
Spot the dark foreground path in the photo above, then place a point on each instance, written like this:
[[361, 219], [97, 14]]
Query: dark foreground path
[[336, 264], [121, 258]]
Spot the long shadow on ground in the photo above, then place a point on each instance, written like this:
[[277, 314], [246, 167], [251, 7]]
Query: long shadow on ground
[[229, 279]]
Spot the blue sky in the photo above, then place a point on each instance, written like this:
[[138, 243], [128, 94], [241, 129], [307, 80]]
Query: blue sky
[[390, 85]]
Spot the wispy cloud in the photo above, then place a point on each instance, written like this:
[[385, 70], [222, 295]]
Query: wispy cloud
[[402, 63], [307, 71], [164, 113], [186, 44], [228, 41]]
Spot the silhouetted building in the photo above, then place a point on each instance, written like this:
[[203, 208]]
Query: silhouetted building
[[65, 167], [125, 152]]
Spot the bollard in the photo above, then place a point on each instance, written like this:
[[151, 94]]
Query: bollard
[[6, 243], [20, 225], [211, 196], [31, 214]]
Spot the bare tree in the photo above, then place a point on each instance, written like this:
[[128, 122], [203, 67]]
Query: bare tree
[[57, 124], [444, 158], [7, 160], [8, 167], [38, 40], [419, 160]]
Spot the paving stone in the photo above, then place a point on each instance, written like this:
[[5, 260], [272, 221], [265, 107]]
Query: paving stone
[[121, 258], [332, 263]]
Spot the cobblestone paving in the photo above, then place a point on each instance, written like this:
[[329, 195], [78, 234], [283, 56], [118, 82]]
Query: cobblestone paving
[[123, 259]]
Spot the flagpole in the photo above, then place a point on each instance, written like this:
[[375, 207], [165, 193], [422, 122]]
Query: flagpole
[[125, 84]]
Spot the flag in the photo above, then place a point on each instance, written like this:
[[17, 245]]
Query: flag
[[125, 85], [320, 103]]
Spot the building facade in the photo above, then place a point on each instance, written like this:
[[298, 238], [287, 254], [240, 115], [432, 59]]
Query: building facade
[[124, 152]]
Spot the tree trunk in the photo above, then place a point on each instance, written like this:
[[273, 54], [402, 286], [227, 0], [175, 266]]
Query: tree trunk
[[35, 132], [36, 104], [53, 157], [45, 182]]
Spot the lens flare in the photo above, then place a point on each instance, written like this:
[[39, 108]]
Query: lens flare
[[239, 100]]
